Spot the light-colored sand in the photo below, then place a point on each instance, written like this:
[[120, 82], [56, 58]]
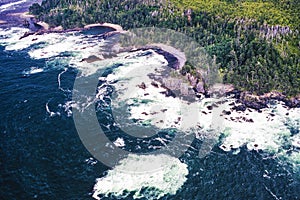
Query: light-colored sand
[[58, 28], [44, 25], [175, 52], [110, 25]]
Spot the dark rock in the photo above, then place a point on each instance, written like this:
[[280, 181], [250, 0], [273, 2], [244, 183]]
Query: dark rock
[[236, 93], [209, 107], [178, 120], [169, 93], [154, 113], [154, 84], [250, 120], [90, 59], [226, 112], [142, 86], [240, 108], [26, 35], [255, 105]]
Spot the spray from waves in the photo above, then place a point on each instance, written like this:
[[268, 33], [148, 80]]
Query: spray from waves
[[127, 80], [266, 130], [59, 50], [271, 130], [138, 90], [51, 114], [274, 130], [72, 47], [123, 181], [10, 6], [59, 79], [33, 70]]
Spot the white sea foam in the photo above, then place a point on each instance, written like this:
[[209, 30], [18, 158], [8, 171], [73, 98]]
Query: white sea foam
[[10, 5], [294, 158], [33, 70], [127, 177], [119, 142], [73, 46], [296, 141], [275, 130], [270, 130], [52, 114], [58, 79], [91, 161], [149, 105]]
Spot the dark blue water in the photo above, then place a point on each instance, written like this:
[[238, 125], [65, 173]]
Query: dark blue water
[[8, 14], [42, 157]]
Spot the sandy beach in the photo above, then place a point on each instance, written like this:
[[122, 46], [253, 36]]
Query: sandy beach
[[110, 25], [180, 56]]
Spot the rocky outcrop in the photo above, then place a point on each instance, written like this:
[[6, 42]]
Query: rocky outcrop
[[42, 28], [258, 102], [91, 59]]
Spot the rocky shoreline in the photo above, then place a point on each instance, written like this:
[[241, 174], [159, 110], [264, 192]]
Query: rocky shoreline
[[176, 61], [40, 27], [258, 102]]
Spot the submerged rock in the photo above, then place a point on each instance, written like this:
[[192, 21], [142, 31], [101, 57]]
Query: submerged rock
[[142, 86], [240, 108]]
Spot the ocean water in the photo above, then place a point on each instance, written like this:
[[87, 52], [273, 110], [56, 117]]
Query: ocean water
[[10, 10], [43, 157]]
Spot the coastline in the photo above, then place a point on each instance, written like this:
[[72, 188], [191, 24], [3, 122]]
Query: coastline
[[246, 98], [116, 27], [202, 144], [258, 102]]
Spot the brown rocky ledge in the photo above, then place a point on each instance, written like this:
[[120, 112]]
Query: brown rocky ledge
[[258, 102]]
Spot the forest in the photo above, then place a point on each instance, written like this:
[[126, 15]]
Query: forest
[[256, 43]]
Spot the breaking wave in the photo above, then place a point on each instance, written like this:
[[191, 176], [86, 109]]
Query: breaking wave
[[122, 181]]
